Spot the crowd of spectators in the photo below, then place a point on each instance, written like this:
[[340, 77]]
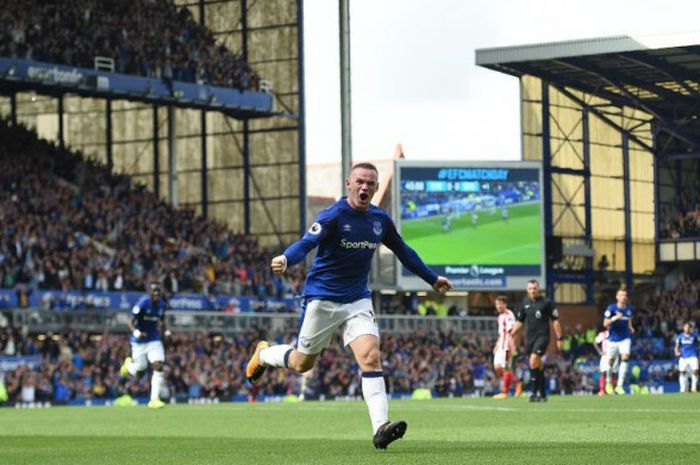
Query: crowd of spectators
[[660, 315], [67, 223], [681, 225], [80, 366], [680, 215], [151, 38]]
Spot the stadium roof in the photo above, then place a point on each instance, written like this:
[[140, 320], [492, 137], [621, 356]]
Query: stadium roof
[[659, 74]]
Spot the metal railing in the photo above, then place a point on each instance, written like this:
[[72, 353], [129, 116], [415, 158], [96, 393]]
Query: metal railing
[[38, 320]]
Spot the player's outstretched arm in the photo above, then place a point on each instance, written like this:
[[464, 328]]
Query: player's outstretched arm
[[442, 285], [410, 259], [296, 252], [279, 264]]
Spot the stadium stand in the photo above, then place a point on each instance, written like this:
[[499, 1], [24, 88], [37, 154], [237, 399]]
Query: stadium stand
[[682, 224], [161, 41], [78, 366], [68, 223]]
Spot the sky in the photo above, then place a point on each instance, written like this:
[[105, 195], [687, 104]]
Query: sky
[[414, 80]]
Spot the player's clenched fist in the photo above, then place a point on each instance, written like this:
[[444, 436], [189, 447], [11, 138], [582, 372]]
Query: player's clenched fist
[[442, 284], [279, 264]]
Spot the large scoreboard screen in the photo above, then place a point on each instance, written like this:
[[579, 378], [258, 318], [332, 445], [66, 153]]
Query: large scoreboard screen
[[478, 223]]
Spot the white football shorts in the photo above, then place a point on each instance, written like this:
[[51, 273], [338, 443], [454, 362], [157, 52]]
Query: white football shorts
[[690, 363], [618, 348], [152, 351], [501, 358], [322, 318]]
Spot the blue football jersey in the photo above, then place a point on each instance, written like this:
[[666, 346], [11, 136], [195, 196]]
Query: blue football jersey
[[619, 330], [688, 344], [146, 316], [347, 239]]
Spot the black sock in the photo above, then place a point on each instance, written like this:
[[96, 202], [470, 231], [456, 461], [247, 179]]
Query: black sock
[[542, 381], [534, 383]]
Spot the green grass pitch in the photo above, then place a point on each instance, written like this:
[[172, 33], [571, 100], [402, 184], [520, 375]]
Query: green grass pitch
[[492, 242], [566, 430]]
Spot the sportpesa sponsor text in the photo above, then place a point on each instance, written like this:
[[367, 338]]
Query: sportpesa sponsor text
[[346, 244]]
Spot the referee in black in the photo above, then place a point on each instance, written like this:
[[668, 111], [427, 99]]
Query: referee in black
[[536, 312]]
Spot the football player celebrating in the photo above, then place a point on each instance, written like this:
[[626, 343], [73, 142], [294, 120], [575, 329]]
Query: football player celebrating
[[336, 296]]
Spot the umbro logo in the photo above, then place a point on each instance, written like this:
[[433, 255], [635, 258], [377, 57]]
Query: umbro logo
[[347, 227]]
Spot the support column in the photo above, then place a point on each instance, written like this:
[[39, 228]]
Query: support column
[[13, 108], [156, 152], [172, 157], [345, 93], [203, 143], [302, 118], [61, 140], [628, 209], [657, 192], [108, 134], [547, 187], [246, 126], [246, 176], [588, 227]]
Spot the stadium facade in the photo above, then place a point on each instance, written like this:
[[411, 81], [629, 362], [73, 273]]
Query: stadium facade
[[244, 170], [615, 123]]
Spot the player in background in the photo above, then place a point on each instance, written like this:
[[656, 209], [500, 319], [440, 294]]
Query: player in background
[[618, 321], [687, 353], [537, 312], [457, 211], [600, 344], [503, 349], [504, 213], [336, 296], [475, 218], [447, 221], [146, 325]]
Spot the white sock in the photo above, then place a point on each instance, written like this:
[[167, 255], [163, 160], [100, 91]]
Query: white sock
[[608, 374], [156, 383], [304, 382], [683, 381], [622, 373], [694, 382], [276, 356], [374, 392]]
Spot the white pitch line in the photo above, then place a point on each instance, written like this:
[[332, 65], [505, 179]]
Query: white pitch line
[[433, 408]]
